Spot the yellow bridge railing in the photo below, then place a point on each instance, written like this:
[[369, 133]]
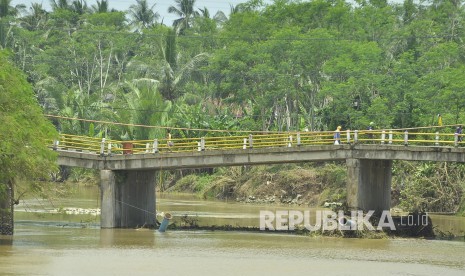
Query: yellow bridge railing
[[271, 140]]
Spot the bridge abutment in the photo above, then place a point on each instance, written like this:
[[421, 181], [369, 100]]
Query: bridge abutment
[[127, 198], [369, 184]]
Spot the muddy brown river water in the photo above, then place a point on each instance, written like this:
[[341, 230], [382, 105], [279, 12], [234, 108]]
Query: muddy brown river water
[[47, 242]]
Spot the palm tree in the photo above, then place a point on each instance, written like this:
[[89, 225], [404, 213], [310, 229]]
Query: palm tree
[[170, 69], [142, 104], [7, 10], [79, 6], [243, 7], [219, 17], [101, 7], [60, 4], [143, 15], [204, 12], [174, 74], [184, 9], [4, 7], [36, 17], [236, 9], [4, 33]]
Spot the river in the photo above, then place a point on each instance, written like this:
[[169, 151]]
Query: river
[[50, 243]]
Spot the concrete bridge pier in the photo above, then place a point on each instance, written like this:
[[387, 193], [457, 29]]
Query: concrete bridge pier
[[369, 184], [127, 198]]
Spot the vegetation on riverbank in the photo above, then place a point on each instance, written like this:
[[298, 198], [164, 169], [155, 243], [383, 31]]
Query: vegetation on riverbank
[[309, 184], [429, 187], [416, 186]]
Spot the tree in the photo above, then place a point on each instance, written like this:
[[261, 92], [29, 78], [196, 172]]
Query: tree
[[184, 9], [36, 18], [142, 15], [7, 10], [60, 4], [79, 7], [162, 61], [176, 72], [204, 12], [5, 30], [101, 7], [24, 135], [140, 102]]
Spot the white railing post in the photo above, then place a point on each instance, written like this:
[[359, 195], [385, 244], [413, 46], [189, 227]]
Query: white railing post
[[109, 148], [298, 139], [406, 138], [244, 146], [147, 148], [383, 137], [456, 139], [437, 138], [202, 143], [290, 141], [390, 137], [199, 147], [102, 147], [355, 136], [55, 144], [250, 141], [348, 136], [155, 146]]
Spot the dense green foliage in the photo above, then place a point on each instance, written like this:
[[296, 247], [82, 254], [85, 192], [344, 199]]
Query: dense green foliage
[[24, 135], [290, 65], [429, 187], [24, 132]]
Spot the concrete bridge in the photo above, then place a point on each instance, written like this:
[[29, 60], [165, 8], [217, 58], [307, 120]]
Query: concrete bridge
[[128, 174]]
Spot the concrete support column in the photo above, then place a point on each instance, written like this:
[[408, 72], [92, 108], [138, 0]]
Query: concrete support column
[[127, 198], [109, 205], [369, 184]]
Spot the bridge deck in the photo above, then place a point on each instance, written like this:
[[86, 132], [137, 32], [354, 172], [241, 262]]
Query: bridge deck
[[252, 156]]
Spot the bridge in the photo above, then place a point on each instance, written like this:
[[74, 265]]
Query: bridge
[[129, 168]]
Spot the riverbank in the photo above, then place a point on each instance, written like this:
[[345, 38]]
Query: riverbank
[[303, 185], [323, 185], [416, 186]]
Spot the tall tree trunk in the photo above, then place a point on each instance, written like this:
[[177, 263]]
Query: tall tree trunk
[[6, 209]]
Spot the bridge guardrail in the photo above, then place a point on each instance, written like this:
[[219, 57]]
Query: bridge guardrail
[[161, 146]]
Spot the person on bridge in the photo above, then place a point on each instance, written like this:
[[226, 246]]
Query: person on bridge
[[168, 139], [337, 136], [370, 128], [458, 132]]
